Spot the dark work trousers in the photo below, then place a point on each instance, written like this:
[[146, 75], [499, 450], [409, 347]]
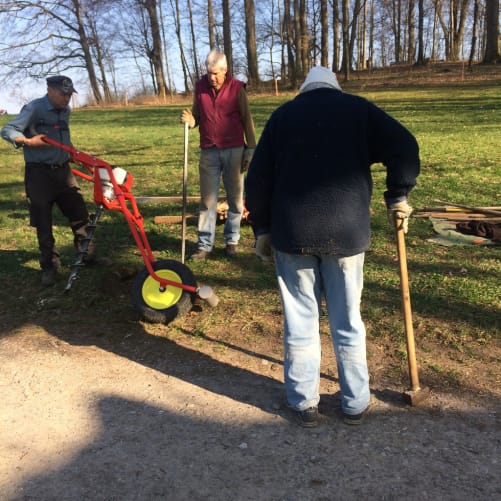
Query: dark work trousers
[[45, 186]]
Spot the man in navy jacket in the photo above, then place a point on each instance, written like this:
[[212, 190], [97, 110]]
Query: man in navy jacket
[[308, 192]]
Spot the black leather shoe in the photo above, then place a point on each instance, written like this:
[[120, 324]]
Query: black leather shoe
[[355, 419]]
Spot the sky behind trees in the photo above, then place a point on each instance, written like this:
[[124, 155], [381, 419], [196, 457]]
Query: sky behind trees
[[117, 49]]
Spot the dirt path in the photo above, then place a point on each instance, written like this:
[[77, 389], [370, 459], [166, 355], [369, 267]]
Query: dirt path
[[126, 414]]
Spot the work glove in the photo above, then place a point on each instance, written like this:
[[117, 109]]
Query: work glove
[[246, 159], [398, 214], [187, 118], [263, 247]]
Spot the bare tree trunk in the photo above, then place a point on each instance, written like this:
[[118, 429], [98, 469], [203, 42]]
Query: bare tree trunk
[[250, 41], [335, 35], [166, 52], [354, 27], [452, 29], [459, 28], [324, 35], [411, 51], [362, 30], [193, 42], [99, 57], [297, 41], [289, 30], [211, 25], [436, 21], [492, 55], [371, 36], [397, 28], [84, 42], [184, 64], [228, 48], [473, 33], [305, 39], [283, 72], [420, 55], [156, 51], [272, 37], [346, 64]]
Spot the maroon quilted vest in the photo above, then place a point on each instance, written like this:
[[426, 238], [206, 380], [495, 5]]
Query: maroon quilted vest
[[220, 123]]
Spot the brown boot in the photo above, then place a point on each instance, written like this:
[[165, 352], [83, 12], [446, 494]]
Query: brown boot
[[231, 251], [200, 255]]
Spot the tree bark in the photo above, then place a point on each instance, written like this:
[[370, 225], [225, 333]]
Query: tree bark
[[228, 48], [324, 34], [193, 42], [474, 33], [411, 51], [290, 39], [335, 35], [211, 25], [156, 55], [420, 55], [250, 42], [184, 64], [304, 39], [492, 55], [346, 64]]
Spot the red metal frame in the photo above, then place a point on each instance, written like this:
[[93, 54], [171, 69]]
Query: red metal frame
[[124, 202]]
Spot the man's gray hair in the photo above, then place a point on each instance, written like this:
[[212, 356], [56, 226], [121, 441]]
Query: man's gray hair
[[216, 60]]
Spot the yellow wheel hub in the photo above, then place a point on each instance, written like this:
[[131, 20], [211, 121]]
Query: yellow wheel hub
[[161, 300]]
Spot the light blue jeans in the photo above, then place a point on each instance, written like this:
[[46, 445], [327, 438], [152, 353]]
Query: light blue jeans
[[216, 163], [302, 280]]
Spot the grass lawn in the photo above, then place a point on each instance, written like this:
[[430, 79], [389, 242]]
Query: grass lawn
[[455, 291]]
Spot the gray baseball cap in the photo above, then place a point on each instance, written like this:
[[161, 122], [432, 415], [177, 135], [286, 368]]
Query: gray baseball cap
[[62, 83]]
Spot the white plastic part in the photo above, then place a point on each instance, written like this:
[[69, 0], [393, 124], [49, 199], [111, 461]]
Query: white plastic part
[[120, 176], [207, 294]]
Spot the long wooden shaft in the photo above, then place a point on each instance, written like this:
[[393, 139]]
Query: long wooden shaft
[[185, 183], [407, 310]]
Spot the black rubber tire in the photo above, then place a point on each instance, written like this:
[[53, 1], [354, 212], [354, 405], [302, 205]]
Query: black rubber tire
[[156, 313]]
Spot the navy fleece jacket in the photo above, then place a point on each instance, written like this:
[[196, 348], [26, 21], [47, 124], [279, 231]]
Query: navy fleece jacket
[[309, 182]]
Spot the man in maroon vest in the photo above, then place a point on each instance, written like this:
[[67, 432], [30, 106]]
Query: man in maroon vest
[[227, 141]]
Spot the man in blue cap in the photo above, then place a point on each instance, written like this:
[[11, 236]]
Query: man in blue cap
[[48, 176]]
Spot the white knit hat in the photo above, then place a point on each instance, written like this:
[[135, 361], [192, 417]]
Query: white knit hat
[[318, 77]]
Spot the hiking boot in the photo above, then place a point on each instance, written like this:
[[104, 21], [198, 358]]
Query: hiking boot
[[200, 255], [308, 418], [355, 419], [49, 277], [231, 250]]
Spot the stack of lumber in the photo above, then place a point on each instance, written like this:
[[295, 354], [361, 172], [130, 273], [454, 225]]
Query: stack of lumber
[[459, 212]]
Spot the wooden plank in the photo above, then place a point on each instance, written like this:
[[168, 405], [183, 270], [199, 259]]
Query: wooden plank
[[457, 216], [172, 219], [171, 199], [479, 210]]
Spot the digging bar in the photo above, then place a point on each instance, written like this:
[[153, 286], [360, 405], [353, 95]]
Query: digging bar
[[416, 394], [185, 184]]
